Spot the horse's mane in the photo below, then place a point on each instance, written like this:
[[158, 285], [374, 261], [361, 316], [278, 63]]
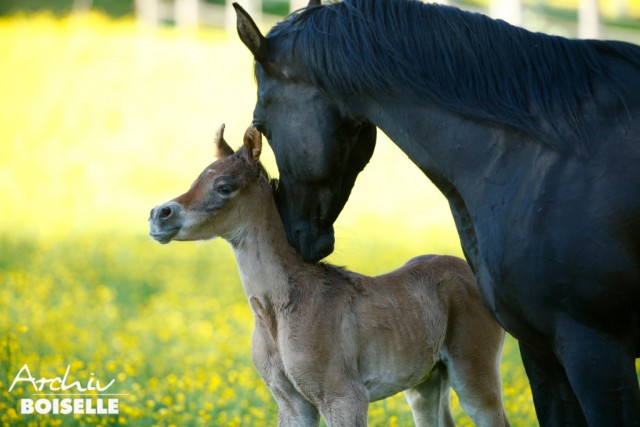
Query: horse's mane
[[468, 63]]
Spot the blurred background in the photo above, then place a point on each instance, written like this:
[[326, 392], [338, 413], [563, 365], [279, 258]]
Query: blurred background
[[108, 108]]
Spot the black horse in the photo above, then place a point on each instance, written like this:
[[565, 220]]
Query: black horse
[[534, 140]]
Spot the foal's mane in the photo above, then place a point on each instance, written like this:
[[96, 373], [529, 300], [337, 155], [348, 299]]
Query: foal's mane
[[479, 67]]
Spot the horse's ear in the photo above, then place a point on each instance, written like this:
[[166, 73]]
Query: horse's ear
[[314, 3], [252, 145], [222, 148], [250, 34]]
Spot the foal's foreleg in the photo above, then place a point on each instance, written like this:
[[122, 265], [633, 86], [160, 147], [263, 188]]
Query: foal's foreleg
[[346, 409], [293, 409], [430, 400], [298, 413]]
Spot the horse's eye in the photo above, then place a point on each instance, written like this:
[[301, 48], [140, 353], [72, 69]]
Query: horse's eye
[[225, 190]]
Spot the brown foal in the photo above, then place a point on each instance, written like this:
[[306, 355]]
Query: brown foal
[[328, 341]]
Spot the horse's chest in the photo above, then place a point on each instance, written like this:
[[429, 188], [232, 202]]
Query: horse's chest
[[535, 261]]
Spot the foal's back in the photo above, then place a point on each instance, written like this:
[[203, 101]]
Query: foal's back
[[395, 327], [428, 316], [409, 318]]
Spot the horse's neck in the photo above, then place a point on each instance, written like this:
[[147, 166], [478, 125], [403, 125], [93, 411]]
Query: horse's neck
[[263, 254], [458, 154], [454, 150], [444, 145]]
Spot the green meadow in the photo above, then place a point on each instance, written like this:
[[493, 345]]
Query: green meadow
[[100, 120]]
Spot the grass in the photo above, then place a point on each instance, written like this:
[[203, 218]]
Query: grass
[[169, 323], [101, 120]]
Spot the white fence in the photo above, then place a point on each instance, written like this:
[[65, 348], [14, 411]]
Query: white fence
[[190, 13]]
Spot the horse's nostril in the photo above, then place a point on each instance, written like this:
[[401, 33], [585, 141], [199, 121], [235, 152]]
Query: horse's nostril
[[165, 212]]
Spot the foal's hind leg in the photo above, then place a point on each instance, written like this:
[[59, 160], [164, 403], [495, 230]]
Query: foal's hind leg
[[429, 400], [475, 376]]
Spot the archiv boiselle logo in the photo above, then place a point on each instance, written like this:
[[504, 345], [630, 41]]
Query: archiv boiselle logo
[[56, 396]]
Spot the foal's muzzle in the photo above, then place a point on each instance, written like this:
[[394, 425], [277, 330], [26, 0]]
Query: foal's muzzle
[[165, 222]]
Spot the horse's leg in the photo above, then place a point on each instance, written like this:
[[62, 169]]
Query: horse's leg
[[429, 401], [299, 414], [293, 408], [555, 402], [346, 409], [601, 370], [475, 376]]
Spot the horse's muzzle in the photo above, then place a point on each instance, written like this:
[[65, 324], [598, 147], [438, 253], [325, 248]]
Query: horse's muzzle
[[314, 244], [165, 222]]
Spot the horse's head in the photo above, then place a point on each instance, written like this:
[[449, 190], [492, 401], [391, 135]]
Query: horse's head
[[214, 205], [320, 147]]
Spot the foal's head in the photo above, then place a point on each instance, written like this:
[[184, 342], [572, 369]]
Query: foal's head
[[216, 204]]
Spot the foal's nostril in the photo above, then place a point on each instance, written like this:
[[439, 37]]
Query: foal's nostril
[[165, 213]]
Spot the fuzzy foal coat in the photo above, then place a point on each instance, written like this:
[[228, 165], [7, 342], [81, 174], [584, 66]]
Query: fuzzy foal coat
[[328, 341]]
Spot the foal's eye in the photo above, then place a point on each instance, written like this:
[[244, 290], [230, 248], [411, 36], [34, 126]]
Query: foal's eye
[[225, 190]]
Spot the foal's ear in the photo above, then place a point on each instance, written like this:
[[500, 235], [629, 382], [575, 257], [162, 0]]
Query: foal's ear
[[250, 34], [222, 148], [252, 145]]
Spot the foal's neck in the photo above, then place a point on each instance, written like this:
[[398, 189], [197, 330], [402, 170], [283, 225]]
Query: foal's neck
[[264, 256]]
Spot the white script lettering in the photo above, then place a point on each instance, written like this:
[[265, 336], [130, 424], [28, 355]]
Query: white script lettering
[[57, 383]]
